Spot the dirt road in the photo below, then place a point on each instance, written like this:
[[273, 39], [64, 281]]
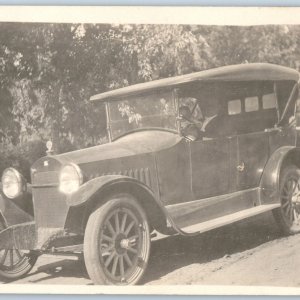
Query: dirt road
[[245, 253]]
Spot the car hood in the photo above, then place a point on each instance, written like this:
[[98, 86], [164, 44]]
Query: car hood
[[130, 145]]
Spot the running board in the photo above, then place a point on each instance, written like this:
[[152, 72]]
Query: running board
[[228, 219]]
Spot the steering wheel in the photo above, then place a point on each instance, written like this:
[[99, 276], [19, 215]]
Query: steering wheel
[[192, 132]]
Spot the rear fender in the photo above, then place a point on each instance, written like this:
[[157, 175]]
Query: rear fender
[[269, 183], [98, 190]]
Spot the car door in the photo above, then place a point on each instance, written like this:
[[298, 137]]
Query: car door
[[210, 165], [210, 175], [258, 117], [253, 153]]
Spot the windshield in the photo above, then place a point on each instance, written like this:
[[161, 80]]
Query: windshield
[[153, 111]]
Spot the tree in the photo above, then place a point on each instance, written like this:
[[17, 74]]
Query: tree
[[242, 44], [49, 71]]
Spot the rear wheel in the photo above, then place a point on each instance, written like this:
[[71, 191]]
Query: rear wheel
[[288, 215], [14, 263], [117, 242]]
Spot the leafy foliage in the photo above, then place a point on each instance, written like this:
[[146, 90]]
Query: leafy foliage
[[49, 71]]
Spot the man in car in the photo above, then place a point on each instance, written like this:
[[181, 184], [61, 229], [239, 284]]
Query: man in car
[[194, 128]]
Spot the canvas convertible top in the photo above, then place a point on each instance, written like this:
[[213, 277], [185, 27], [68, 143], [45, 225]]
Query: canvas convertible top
[[242, 72]]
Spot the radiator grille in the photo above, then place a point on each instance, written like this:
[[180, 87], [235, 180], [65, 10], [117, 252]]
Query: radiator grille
[[50, 207], [44, 178]]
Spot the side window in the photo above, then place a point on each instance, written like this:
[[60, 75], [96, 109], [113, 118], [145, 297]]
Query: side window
[[251, 104], [234, 107], [269, 101]]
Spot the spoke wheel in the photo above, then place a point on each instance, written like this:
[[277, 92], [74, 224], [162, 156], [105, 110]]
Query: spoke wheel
[[14, 263], [117, 242], [288, 216]]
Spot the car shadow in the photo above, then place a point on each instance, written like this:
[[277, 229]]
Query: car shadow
[[176, 252], [172, 253], [68, 268]]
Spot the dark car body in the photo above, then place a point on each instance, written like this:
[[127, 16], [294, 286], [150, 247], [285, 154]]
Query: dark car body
[[185, 186]]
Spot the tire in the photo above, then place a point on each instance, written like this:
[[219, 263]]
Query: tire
[[117, 242], [15, 263], [288, 215]]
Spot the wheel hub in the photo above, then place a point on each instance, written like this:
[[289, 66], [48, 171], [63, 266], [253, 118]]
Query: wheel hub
[[296, 197], [119, 243], [125, 243], [122, 243]]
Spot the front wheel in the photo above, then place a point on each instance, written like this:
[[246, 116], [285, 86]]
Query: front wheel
[[117, 242], [15, 263], [288, 215]]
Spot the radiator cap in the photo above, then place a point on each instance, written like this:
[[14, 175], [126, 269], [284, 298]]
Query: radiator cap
[[49, 145]]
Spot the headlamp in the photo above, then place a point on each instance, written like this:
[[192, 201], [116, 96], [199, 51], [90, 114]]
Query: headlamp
[[13, 183], [70, 179]]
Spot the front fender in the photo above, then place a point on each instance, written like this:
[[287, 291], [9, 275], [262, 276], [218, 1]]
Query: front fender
[[269, 183], [16, 211], [88, 189], [95, 192]]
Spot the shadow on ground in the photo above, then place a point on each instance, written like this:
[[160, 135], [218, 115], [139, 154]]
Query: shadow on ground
[[172, 253], [179, 251], [62, 268]]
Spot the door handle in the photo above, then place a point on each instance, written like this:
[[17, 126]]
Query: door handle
[[241, 167]]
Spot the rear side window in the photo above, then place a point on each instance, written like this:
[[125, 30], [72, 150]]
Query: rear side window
[[269, 101], [234, 107], [251, 104]]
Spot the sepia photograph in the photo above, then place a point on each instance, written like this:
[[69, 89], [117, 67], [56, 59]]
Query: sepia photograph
[[139, 153]]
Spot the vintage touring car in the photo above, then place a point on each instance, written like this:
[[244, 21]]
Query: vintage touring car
[[186, 155]]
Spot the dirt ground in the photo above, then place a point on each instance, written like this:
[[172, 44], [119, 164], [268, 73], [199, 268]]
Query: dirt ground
[[251, 252]]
